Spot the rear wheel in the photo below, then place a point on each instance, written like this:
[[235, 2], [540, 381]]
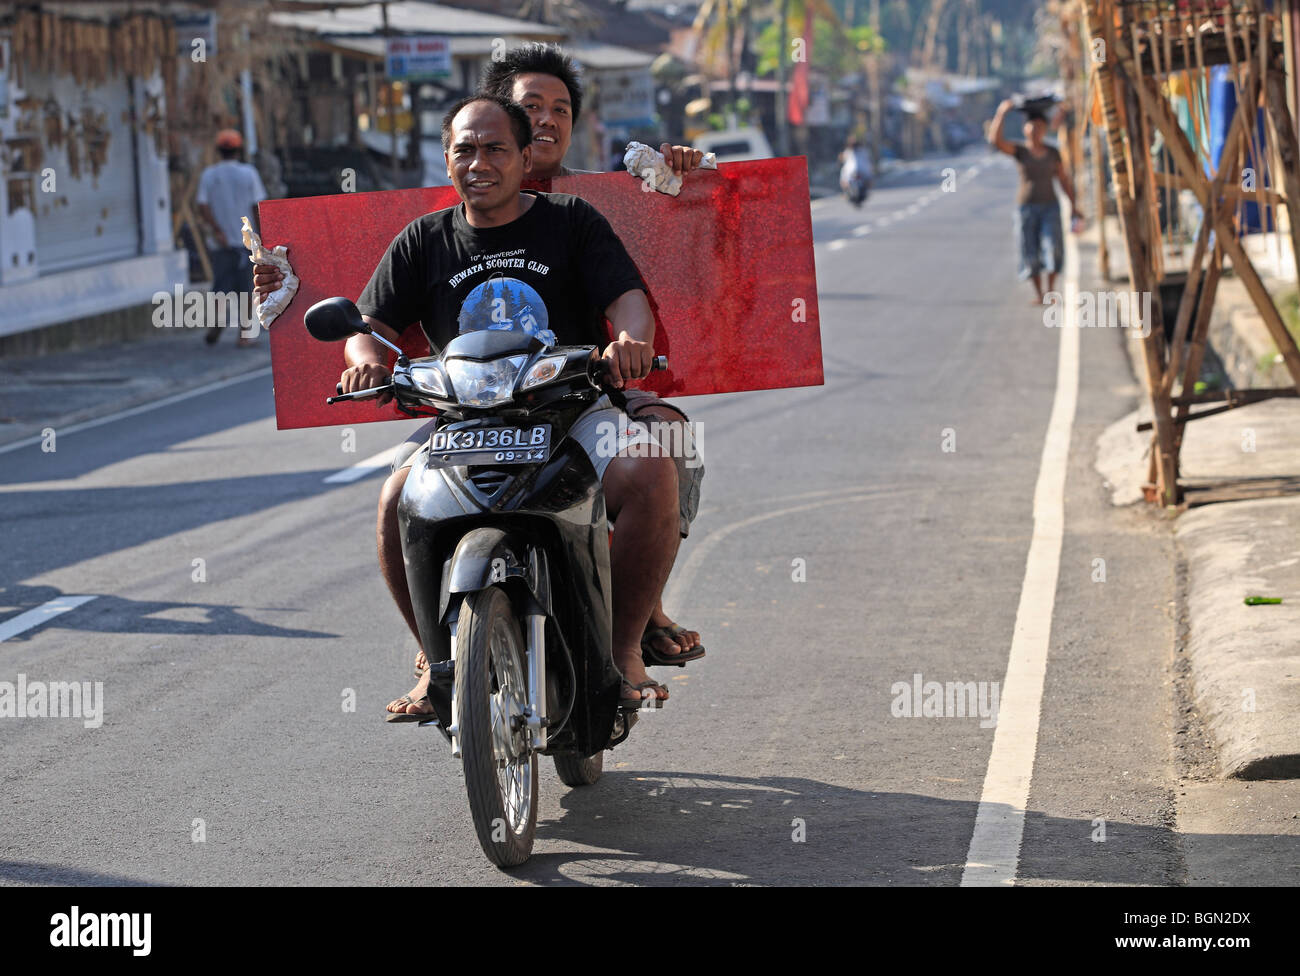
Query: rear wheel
[[577, 771], [492, 695]]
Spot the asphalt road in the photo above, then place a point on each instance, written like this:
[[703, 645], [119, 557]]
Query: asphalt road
[[237, 605]]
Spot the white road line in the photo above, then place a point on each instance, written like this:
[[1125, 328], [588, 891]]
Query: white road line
[[838, 244], [143, 408], [994, 854], [42, 614], [359, 470], [861, 231]]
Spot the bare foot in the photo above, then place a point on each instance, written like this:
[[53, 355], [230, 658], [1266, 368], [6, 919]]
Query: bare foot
[[681, 642], [415, 701], [629, 662]]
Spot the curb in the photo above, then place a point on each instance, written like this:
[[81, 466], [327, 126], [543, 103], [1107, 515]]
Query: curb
[[1245, 660]]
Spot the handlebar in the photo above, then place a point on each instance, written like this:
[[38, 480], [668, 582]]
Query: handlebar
[[600, 367], [598, 370], [357, 394]]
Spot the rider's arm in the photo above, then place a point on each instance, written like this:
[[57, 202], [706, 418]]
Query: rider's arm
[[367, 359], [632, 353], [996, 139]]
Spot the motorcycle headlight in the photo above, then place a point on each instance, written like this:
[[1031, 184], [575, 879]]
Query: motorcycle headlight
[[427, 378], [543, 371], [484, 384]]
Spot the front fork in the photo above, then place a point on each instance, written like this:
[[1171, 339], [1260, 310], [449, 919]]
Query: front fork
[[535, 713], [537, 717]]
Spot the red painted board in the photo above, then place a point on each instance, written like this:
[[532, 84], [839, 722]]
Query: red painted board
[[728, 264]]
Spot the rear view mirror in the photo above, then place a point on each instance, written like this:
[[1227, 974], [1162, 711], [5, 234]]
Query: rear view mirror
[[333, 319]]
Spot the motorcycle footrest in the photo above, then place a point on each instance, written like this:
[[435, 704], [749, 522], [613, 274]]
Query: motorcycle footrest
[[442, 672]]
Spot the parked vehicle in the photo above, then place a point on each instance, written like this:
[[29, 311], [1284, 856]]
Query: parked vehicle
[[733, 145]]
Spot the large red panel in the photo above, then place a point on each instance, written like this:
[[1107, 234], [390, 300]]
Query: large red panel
[[728, 263]]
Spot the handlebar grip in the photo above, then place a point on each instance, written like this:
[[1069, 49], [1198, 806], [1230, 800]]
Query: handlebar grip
[[338, 389]]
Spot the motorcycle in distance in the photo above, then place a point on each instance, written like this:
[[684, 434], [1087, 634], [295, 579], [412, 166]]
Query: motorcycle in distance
[[506, 547], [856, 189]]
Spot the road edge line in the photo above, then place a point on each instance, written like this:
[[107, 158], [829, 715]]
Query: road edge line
[[993, 857]]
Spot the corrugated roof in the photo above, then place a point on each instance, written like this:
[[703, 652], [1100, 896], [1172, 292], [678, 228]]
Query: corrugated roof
[[414, 17], [593, 54]]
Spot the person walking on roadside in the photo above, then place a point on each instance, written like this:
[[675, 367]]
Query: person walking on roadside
[[228, 191], [1038, 211]]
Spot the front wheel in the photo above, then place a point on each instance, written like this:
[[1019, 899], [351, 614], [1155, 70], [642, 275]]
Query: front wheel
[[577, 771], [492, 695]]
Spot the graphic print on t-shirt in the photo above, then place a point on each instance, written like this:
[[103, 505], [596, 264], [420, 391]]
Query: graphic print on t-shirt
[[506, 304]]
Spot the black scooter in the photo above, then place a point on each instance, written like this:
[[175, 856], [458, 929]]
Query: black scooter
[[507, 556]]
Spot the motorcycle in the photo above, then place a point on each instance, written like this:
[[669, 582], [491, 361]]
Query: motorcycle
[[506, 549], [856, 189]]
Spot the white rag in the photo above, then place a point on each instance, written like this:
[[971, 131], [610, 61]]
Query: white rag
[[649, 165]]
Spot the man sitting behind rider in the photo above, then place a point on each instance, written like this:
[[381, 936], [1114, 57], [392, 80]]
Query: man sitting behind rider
[[571, 270], [546, 84]]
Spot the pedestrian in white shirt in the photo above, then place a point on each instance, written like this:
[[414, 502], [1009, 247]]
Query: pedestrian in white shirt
[[228, 191]]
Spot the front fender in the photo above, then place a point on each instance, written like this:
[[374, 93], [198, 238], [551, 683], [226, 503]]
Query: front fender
[[489, 556]]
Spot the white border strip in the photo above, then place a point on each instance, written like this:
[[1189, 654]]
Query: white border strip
[[42, 614], [994, 854], [377, 462], [143, 408]]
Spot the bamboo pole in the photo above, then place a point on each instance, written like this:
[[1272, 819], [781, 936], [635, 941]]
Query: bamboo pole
[[1186, 162], [1275, 108], [1111, 83]]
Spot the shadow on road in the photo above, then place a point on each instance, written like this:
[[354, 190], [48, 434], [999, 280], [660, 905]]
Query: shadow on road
[[39, 873], [43, 530], [664, 828], [110, 614]]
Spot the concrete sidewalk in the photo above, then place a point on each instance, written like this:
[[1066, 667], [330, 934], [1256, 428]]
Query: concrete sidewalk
[[1245, 660], [67, 388]]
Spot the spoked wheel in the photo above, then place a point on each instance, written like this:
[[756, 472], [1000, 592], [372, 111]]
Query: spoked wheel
[[492, 694], [577, 771]]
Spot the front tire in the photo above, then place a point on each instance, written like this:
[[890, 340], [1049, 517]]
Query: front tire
[[492, 693], [577, 771]]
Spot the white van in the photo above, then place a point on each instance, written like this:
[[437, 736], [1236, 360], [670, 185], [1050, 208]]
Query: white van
[[732, 145]]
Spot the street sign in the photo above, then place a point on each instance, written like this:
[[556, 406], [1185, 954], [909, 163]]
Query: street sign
[[418, 58]]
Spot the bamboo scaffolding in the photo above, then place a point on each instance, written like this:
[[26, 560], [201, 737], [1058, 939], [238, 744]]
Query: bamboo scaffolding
[[1151, 48]]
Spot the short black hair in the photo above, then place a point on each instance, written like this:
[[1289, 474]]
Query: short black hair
[[543, 59], [519, 123]]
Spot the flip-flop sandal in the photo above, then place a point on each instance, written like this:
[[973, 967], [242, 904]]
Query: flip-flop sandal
[[653, 658], [636, 704], [412, 716]]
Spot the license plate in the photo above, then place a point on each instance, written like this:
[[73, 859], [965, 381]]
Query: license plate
[[492, 445]]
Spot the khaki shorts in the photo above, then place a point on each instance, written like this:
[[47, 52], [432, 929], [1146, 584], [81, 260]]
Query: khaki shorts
[[606, 432]]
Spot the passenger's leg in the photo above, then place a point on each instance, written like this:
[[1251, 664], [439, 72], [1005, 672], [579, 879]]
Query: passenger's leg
[[672, 432], [641, 494], [388, 536]]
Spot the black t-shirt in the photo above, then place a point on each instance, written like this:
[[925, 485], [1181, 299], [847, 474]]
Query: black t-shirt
[[551, 272]]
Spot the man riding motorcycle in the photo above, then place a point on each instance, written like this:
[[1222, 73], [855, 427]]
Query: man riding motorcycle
[[567, 273], [544, 82]]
